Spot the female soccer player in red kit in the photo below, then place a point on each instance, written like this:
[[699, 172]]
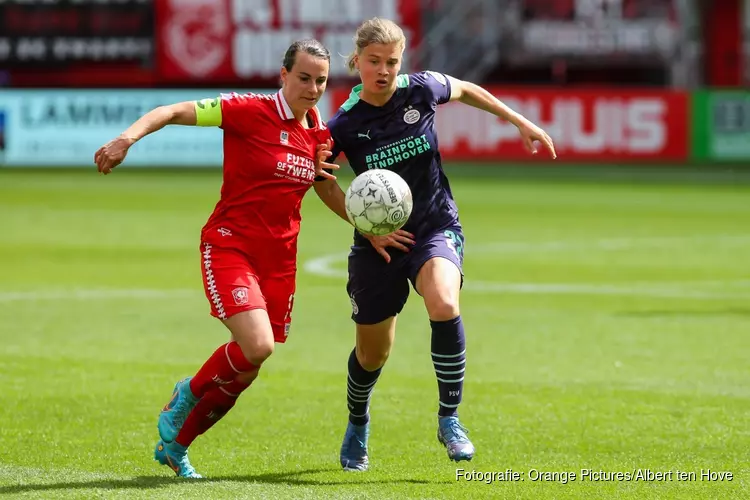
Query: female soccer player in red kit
[[270, 146]]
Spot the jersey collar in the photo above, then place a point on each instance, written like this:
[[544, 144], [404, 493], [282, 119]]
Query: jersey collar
[[285, 112]]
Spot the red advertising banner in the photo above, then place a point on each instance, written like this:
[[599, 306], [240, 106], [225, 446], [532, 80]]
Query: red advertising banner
[[591, 124], [226, 40]]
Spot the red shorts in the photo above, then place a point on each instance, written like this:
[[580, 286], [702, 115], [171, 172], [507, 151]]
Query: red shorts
[[232, 286]]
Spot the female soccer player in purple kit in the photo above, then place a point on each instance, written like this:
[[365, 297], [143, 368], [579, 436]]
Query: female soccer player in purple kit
[[388, 122]]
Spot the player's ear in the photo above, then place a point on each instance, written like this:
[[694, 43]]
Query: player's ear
[[355, 60], [284, 74]]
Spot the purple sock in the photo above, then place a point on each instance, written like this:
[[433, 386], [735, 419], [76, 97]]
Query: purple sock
[[359, 386], [449, 359]]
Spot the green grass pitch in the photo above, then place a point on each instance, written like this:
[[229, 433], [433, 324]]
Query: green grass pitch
[[608, 324]]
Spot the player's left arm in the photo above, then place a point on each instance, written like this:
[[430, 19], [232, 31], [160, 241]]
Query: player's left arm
[[326, 186], [478, 97], [331, 194]]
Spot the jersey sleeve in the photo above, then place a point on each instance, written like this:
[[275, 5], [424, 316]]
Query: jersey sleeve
[[436, 86], [335, 149], [228, 111]]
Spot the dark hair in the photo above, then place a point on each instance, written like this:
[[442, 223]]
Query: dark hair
[[311, 46]]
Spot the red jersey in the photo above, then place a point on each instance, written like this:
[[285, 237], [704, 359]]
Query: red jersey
[[268, 167]]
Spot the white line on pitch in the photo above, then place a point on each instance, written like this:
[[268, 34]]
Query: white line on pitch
[[324, 266], [611, 244], [663, 290], [93, 294]]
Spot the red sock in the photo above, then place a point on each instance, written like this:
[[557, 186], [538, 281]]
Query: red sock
[[210, 409], [220, 369]]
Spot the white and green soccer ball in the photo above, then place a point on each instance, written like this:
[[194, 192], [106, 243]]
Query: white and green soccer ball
[[378, 202]]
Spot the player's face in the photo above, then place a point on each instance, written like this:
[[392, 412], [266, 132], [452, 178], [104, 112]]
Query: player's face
[[378, 66], [305, 83]]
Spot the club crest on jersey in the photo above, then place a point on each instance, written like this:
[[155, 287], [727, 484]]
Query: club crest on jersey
[[241, 296], [411, 116], [284, 138]]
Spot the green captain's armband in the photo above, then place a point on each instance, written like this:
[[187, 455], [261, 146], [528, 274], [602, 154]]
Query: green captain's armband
[[208, 112]]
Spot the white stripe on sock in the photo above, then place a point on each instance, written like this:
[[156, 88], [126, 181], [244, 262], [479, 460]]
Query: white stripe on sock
[[451, 372], [438, 363], [449, 406], [359, 385], [226, 351], [449, 355], [357, 400], [360, 391], [230, 394]]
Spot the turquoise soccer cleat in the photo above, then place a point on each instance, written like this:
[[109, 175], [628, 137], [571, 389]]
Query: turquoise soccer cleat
[[452, 435], [174, 455], [354, 448], [173, 415]]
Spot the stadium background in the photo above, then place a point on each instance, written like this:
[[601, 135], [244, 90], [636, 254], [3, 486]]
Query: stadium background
[[607, 292]]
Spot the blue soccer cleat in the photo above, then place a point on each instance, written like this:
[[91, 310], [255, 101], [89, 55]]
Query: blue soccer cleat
[[173, 415], [174, 455], [354, 448], [452, 435]]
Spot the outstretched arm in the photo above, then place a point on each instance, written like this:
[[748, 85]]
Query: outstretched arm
[[477, 97], [113, 153]]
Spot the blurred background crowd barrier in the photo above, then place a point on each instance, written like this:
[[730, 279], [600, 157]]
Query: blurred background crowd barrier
[[611, 80]]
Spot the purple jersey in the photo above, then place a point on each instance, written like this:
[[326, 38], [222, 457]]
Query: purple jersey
[[401, 137]]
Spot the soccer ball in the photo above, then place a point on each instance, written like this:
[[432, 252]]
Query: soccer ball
[[378, 202]]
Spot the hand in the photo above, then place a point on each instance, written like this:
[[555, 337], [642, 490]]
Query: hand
[[530, 134], [398, 239], [323, 152], [112, 154]]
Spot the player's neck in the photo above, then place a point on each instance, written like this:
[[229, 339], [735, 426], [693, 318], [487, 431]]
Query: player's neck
[[300, 116], [376, 99]]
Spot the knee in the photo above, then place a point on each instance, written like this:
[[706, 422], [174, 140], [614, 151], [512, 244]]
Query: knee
[[261, 351], [257, 350], [443, 309], [372, 359]]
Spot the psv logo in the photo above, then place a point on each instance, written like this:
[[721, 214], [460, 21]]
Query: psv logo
[[411, 116]]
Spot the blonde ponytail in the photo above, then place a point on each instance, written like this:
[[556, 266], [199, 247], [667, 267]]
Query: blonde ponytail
[[375, 31]]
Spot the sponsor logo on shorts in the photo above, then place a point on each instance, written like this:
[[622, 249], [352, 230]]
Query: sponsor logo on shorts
[[287, 327], [241, 296], [224, 231], [355, 307]]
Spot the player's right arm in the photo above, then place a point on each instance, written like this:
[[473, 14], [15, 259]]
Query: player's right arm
[[206, 113], [326, 186], [331, 194]]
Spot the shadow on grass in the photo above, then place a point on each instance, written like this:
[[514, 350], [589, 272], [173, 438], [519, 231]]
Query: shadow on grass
[[289, 478]]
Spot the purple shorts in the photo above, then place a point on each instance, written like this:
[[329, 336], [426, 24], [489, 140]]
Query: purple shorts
[[378, 290]]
